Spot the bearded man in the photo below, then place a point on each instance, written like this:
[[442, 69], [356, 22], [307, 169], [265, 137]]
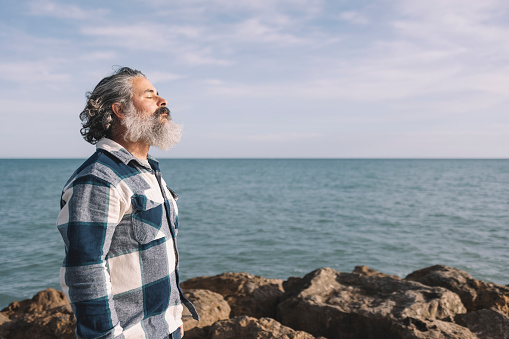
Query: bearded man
[[119, 220]]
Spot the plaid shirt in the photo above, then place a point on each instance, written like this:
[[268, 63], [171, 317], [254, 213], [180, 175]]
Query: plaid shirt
[[119, 224]]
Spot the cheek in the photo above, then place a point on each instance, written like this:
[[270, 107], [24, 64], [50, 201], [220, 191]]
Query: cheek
[[145, 106]]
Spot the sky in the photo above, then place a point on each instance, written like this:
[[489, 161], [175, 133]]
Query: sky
[[266, 78]]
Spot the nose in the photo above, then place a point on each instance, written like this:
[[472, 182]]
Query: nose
[[162, 102]]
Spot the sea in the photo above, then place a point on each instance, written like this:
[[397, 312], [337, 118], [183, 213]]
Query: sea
[[284, 217]]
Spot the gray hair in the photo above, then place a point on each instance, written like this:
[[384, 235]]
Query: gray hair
[[97, 118]]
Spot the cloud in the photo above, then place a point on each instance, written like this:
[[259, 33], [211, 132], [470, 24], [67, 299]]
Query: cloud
[[239, 90], [354, 17], [227, 22], [253, 30], [462, 44], [401, 63], [213, 82], [32, 72], [424, 56], [176, 41], [456, 22], [234, 6], [99, 55], [200, 57], [272, 137], [469, 10], [425, 52], [141, 35], [62, 10], [160, 77]]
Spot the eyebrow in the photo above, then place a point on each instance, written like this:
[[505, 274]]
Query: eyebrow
[[150, 91]]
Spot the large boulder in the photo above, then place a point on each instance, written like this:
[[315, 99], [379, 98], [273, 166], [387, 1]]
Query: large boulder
[[486, 324], [41, 302], [247, 294], [251, 328], [358, 305], [211, 307], [475, 294], [47, 315]]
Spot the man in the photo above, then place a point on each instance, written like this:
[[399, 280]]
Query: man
[[118, 219]]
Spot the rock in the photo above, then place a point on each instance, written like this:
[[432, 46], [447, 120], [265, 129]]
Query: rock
[[412, 328], [42, 301], [3, 319], [246, 294], [353, 305], [47, 315], [475, 294], [486, 323], [428, 303], [251, 328], [211, 307], [365, 270]]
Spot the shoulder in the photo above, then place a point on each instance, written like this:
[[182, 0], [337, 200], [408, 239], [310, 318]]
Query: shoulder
[[100, 174], [102, 167]]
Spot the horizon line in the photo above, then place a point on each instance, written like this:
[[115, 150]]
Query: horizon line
[[278, 158]]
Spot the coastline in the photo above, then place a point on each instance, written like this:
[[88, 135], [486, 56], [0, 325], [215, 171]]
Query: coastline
[[434, 302]]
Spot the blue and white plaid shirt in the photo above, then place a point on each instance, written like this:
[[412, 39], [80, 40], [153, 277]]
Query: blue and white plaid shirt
[[119, 224]]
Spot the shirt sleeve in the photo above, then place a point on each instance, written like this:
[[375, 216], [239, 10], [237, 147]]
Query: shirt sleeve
[[90, 210]]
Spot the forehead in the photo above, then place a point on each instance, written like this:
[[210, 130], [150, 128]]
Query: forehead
[[142, 85]]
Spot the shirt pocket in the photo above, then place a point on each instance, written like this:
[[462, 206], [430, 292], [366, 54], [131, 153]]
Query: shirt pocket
[[147, 219]]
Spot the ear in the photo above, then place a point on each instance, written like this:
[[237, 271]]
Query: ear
[[118, 110]]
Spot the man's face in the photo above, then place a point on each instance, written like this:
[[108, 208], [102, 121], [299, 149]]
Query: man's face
[[146, 99], [148, 119]]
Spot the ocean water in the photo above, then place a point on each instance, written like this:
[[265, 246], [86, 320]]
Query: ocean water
[[281, 218]]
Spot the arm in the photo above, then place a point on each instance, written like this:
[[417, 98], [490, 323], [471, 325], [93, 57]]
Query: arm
[[90, 210]]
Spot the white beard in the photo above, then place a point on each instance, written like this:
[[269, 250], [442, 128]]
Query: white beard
[[163, 135]]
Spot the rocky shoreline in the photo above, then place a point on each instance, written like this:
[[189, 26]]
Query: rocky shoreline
[[435, 302]]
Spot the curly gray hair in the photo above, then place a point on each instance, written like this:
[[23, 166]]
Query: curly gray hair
[[97, 118]]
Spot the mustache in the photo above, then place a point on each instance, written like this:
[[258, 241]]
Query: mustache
[[163, 110]]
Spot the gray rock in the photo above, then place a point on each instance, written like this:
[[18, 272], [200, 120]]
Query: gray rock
[[357, 305], [412, 328], [486, 324], [251, 328], [475, 294]]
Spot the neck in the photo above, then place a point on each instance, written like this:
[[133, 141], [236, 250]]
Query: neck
[[138, 149]]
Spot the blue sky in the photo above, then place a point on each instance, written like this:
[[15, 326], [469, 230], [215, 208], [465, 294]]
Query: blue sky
[[267, 78]]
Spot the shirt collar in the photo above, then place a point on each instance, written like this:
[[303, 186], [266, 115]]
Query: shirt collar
[[115, 149]]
